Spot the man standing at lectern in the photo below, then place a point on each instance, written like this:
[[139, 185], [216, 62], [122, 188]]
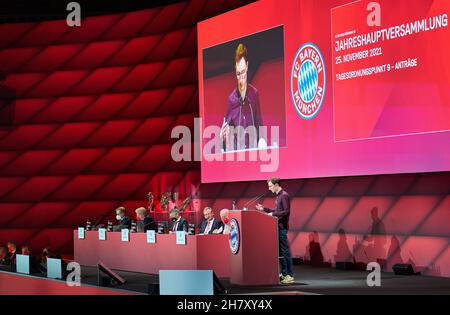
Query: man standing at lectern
[[282, 212]]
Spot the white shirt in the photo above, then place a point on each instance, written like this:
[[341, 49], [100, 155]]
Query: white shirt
[[208, 227]]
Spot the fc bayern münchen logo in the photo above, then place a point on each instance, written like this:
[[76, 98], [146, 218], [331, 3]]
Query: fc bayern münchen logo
[[235, 236], [308, 81]]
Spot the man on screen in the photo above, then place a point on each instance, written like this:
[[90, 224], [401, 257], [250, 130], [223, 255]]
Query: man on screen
[[282, 211], [243, 112]]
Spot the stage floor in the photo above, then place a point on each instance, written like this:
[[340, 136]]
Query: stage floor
[[309, 280]]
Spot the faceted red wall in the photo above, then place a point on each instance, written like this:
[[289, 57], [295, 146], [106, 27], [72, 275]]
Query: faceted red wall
[[94, 110]]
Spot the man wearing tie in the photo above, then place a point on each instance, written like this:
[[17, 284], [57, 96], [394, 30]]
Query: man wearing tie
[[179, 223], [282, 212], [209, 223]]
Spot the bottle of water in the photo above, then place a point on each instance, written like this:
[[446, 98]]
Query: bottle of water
[[191, 230], [160, 228], [233, 207]]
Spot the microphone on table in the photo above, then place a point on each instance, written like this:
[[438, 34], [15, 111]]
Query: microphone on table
[[95, 226], [254, 199]]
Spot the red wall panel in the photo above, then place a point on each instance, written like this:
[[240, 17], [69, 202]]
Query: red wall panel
[[31, 162], [62, 109], [10, 32], [50, 58], [11, 59], [135, 51], [93, 55], [66, 135], [35, 189], [75, 161]]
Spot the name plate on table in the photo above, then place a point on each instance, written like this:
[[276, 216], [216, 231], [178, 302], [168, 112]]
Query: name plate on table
[[181, 237], [102, 234], [151, 237], [125, 235], [54, 268], [23, 264], [81, 233]]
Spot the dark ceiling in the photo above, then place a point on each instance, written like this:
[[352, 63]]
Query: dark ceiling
[[12, 11]]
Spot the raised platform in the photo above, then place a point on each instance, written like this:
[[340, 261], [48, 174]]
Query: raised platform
[[309, 280], [20, 284]]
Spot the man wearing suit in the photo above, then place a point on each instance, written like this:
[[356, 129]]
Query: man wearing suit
[[147, 221], [13, 251], [226, 226], [4, 260], [178, 222], [124, 221], [35, 267], [209, 223]]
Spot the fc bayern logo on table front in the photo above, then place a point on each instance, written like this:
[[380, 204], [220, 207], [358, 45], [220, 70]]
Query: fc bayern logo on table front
[[235, 236], [308, 81]]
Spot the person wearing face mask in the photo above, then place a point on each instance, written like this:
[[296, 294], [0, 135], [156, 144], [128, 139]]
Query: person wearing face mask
[[178, 222], [209, 223], [225, 218], [124, 220], [145, 222]]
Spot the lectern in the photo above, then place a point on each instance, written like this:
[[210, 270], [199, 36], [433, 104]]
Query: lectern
[[254, 248]]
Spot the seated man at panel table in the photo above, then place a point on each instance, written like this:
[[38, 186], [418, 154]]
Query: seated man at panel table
[[178, 222], [145, 222], [124, 220], [226, 226], [49, 253], [13, 251], [209, 223], [4, 260], [34, 264]]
